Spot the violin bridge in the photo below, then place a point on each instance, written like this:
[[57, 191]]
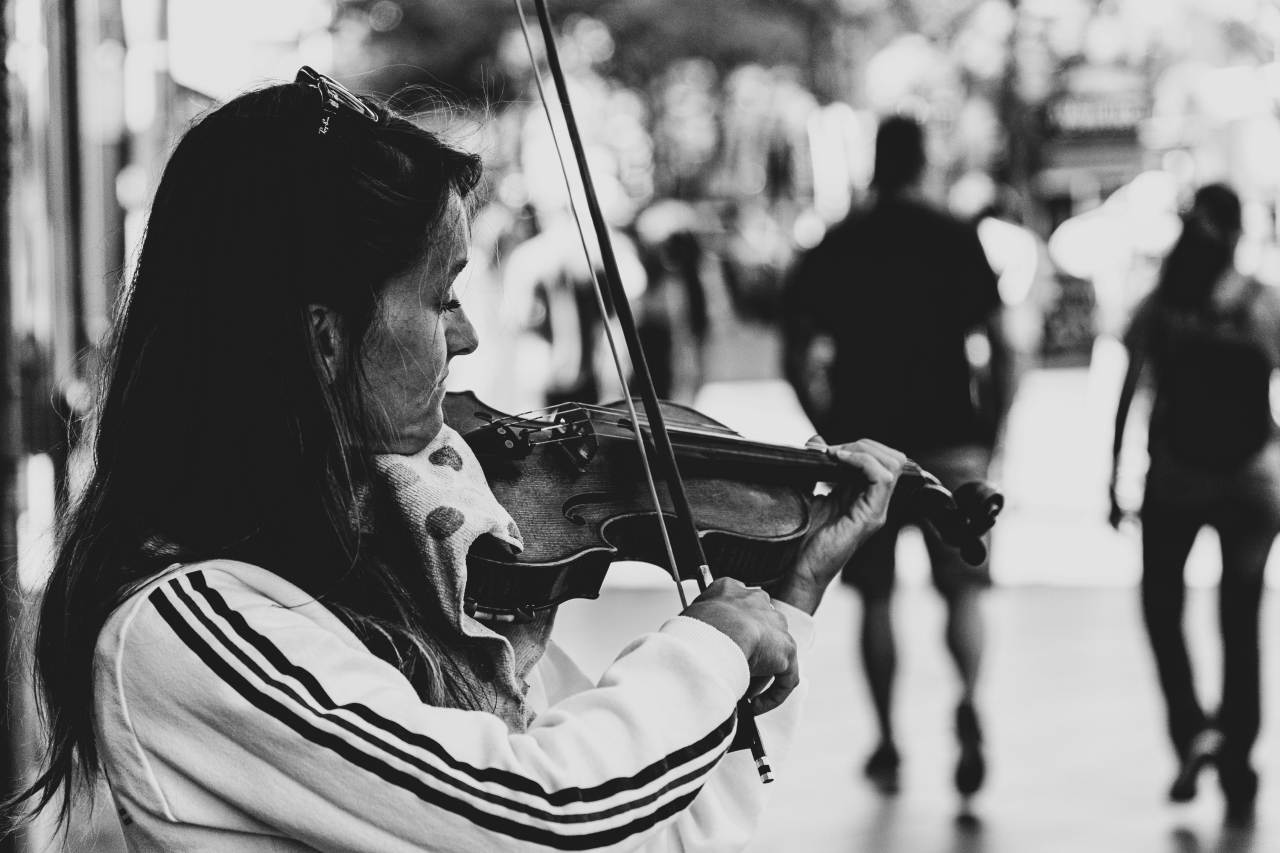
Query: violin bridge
[[575, 438]]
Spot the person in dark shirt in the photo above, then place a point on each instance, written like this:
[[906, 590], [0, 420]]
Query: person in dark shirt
[[1209, 335], [892, 295]]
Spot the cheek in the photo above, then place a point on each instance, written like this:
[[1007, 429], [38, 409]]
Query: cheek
[[407, 360]]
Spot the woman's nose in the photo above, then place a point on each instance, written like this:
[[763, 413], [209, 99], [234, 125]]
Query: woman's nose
[[461, 335]]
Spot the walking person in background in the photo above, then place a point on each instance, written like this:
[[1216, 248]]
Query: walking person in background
[[549, 294], [892, 295], [1211, 336], [673, 318]]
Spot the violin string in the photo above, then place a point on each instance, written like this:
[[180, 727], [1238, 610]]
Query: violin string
[[800, 455], [545, 414], [536, 416], [683, 427], [910, 468], [720, 433], [604, 313], [707, 429], [728, 436]]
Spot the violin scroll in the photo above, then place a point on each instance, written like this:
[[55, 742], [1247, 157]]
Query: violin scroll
[[960, 519]]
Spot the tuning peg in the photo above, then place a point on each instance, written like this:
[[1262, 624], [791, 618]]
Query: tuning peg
[[980, 502], [973, 552]]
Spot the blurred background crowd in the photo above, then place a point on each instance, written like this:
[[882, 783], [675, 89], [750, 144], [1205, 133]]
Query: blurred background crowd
[[726, 137]]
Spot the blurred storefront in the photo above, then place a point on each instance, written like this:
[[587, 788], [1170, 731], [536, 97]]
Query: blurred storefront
[[1091, 149], [1149, 100]]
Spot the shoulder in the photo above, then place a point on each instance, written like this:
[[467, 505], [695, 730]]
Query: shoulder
[[171, 659], [1264, 301], [839, 234], [926, 214], [950, 239], [1264, 318], [242, 581], [174, 611], [1147, 316]]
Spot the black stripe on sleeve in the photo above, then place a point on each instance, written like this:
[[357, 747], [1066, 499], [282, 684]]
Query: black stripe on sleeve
[[392, 775], [515, 782], [416, 761]]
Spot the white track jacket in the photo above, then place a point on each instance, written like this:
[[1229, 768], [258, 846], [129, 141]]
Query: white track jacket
[[236, 713]]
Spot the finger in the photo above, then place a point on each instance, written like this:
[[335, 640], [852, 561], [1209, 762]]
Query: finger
[[777, 692], [892, 459], [874, 495], [872, 446], [725, 587], [848, 453], [884, 448], [872, 467]]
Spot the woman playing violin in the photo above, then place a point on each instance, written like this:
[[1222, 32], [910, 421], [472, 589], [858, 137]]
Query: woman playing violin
[[254, 627]]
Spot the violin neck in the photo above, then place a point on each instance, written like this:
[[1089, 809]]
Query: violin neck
[[750, 460]]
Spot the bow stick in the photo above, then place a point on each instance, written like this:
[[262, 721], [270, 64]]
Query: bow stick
[[685, 523]]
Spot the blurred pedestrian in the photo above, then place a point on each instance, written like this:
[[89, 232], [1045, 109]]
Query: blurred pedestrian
[[1211, 336], [550, 296], [895, 290], [673, 321]]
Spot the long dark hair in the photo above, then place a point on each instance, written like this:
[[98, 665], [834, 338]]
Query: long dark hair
[[1203, 252], [217, 433]]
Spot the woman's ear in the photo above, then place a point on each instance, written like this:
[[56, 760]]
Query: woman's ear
[[327, 338]]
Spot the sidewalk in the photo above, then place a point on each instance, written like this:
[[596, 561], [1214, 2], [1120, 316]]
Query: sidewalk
[[1079, 761]]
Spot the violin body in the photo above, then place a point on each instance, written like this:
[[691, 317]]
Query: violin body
[[573, 479], [582, 502]]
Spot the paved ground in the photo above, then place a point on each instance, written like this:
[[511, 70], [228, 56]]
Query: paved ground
[[1079, 762]]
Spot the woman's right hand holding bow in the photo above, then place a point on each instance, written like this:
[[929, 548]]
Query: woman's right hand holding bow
[[747, 616]]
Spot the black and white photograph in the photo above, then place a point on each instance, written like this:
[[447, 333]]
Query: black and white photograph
[[673, 426]]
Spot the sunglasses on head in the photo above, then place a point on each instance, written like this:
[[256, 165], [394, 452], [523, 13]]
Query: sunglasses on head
[[334, 97]]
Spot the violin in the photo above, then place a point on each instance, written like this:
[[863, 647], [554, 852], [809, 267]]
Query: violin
[[571, 477]]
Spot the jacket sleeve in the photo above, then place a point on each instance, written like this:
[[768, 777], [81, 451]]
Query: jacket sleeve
[[236, 701], [726, 813]]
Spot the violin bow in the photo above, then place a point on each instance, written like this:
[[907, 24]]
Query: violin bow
[[684, 523]]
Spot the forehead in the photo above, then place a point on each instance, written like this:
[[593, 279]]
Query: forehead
[[453, 233], [448, 241], [444, 247]]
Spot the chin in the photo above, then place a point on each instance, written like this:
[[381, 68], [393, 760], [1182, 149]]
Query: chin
[[415, 439]]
